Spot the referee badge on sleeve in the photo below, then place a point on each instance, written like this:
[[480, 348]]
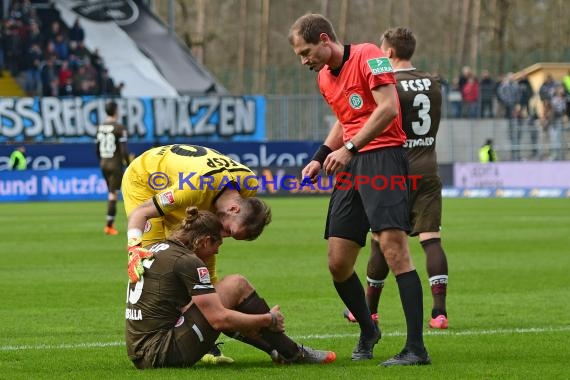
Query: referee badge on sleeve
[[380, 65]]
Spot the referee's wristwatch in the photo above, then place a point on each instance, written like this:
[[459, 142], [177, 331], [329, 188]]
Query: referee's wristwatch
[[351, 147]]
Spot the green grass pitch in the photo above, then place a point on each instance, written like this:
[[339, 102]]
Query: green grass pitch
[[64, 286]]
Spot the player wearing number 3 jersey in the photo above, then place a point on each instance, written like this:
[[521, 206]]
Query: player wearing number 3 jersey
[[420, 103]]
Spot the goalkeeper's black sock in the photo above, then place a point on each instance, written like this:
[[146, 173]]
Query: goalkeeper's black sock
[[254, 304], [111, 212]]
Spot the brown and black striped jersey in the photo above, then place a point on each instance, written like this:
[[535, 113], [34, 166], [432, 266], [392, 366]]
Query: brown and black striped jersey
[[420, 104], [170, 280]]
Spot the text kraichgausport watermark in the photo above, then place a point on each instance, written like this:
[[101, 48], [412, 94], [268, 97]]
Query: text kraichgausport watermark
[[342, 181]]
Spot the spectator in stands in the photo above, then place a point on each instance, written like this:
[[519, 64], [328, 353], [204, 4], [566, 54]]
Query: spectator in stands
[[74, 60], [455, 98], [466, 73], [106, 84], [54, 31], [49, 73], [33, 73], [92, 77], [80, 82], [566, 84], [2, 49], [66, 88], [76, 33], [14, 45], [35, 36], [487, 94], [470, 95], [546, 92], [65, 76], [61, 47], [510, 95], [49, 50], [81, 52], [97, 61], [528, 113], [526, 95], [556, 123], [24, 46]]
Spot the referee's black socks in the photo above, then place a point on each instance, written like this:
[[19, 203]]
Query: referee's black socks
[[410, 288], [352, 294]]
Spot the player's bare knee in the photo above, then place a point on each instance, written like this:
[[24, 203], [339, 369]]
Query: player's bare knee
[[233, 289], [339, 271], [240, 283], [398, 258]]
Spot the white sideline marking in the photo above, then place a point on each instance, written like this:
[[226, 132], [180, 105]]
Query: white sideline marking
[[531, 330]]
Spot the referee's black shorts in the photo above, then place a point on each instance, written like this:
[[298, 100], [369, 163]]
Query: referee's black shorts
[[371, 194]]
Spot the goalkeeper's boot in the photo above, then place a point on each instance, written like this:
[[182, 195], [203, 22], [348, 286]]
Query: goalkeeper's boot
[[439, 322], [110, 230], [348, 315], [407, 357], [215, 356], [305, 355]]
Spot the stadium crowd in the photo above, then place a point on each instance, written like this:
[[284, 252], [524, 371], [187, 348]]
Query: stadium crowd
[[49, 58]]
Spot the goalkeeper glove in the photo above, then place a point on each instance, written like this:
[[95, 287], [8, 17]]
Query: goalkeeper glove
[[137, 254]]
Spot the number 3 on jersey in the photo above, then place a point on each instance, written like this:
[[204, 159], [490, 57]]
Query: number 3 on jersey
[[422, 127]]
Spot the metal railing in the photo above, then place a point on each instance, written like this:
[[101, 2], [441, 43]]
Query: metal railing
[[308, 117]]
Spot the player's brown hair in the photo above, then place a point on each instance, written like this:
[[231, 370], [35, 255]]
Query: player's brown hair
[[256, 214], [111, 108], [402, 40], [310, 27], [197, 225]]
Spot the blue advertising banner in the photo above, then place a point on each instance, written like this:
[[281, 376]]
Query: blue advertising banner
[[151, 120], [52, 185], [252, 154]]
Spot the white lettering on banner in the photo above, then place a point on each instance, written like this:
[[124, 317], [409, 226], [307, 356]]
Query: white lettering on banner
[[35, 163], [512, 174], [187, 116], [262, 159], [236, 117], [66, 117], [53, 185], [51, 117], [25, 107], [10, 122], [209, 105], [19, 187]]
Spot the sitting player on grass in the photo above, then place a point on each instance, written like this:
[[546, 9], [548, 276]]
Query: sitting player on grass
[[174, 313]]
